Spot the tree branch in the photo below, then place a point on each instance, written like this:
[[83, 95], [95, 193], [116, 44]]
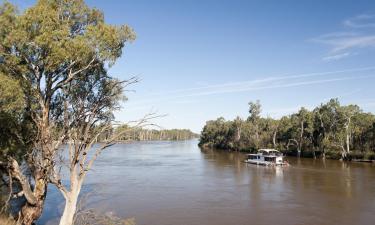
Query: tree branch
[[16, 172]]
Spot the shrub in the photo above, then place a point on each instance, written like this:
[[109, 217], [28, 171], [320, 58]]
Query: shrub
[[332, 154], [369, 155], [356, 155]]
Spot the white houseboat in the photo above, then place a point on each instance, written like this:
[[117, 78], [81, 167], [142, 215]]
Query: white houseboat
[[267, 157]]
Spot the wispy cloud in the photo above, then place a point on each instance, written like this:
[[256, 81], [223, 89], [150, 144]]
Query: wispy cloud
[[361, 21], [336, 57], [342, 44], [263, 84], [276, 85], [257, 82]]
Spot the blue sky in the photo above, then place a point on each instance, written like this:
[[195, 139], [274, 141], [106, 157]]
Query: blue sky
[[199, 60]]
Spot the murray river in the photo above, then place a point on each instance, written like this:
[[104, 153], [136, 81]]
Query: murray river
[[177, 183]]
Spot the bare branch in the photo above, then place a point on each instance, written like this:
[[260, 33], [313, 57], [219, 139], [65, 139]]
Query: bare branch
[[56, 180], [72, 74]]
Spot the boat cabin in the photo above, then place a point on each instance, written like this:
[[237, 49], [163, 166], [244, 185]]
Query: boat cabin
[[266, 157]]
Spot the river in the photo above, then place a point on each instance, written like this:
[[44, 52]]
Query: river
[[176, 183]]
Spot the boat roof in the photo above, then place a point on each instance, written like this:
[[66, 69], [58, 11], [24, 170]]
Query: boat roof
[[268, 150], [269, 156]]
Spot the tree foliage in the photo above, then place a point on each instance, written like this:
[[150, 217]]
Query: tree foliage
[[141, 134]]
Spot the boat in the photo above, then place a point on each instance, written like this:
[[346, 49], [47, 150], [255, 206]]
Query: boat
[[267, 157]]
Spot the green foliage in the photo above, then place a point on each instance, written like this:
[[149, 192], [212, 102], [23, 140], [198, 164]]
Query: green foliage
[[15, 125], [254, 110], [11, 96], [330, 130], [218, 133], [55, 51], [369, 155], [141, 134]]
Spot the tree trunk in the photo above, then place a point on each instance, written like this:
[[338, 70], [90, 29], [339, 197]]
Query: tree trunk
[[347, 138], [31, 213], [70, 209], [347, 125], [33, 207], [313, 152], [71, 199], [300, 140], [274, 139], [343, 153], [298, 151]]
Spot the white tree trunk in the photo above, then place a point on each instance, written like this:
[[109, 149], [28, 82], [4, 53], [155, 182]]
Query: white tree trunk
[[300, 139], [70, 209], [348, 137], [343, 153], [274, 139], [71, 199]]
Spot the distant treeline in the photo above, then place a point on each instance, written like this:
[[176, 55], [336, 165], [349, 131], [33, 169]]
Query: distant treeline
[[153, 134], [330, 130]]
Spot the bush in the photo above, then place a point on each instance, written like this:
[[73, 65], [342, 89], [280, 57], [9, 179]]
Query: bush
[[307, 154], [356, 155], [332, 154], [369, 155]]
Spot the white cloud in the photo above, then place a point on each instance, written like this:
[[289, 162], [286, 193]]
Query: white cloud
[[336, 57], [361, 21], [257, 82], [342, 44], [256, 85]]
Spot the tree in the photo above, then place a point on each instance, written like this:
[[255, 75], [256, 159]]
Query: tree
[[346, 114], [254, 111], [50, 49], [218, 133], [302, 128], [327, 123], [274, 129], [86, 115], [238, 122]]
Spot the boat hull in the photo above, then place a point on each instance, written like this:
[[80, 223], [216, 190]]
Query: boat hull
[[264, 163]]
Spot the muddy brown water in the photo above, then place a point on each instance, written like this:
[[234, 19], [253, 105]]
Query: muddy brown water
[[176, 183]]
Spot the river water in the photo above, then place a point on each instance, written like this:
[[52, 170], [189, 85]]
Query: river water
[[176, 183]]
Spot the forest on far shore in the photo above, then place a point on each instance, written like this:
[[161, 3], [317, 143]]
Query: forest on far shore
[[141, 134], [330, 130]]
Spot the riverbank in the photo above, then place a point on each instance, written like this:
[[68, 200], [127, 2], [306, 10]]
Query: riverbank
[[354, 156]]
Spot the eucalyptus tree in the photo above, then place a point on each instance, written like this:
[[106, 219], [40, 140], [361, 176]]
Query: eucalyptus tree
[[302, 128], [271, 129], [327, 123], [363, 132], [52, 49], [255, 108], [346, 114], [284, 128], [238, 123], [87, 113]]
